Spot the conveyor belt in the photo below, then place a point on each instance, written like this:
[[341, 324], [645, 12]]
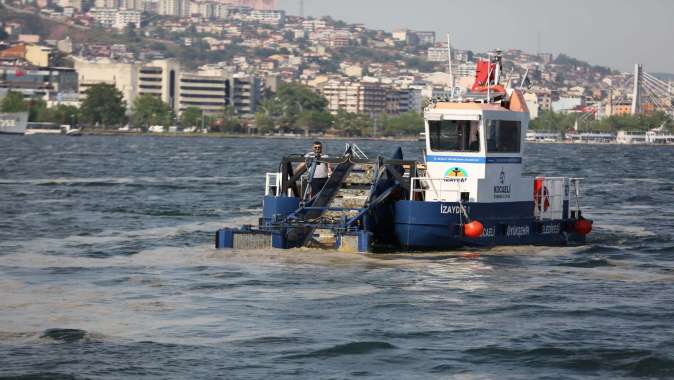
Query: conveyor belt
[[299, 236]]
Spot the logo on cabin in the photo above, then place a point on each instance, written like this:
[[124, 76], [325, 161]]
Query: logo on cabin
[[456, 174], [502, 191]]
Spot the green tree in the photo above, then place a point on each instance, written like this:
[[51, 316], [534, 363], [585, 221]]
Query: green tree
[[406, 124], [264, 123], [314, 121], [191, 117], [229, 121], [37, 111], [13, 102], [297, 98], [104, 105], [64, 114], [291, 100], [549, 121], [352, 124], [150, 110]]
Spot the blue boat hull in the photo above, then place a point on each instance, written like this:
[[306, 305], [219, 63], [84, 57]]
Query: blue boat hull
[[417, 226], [438, 225]]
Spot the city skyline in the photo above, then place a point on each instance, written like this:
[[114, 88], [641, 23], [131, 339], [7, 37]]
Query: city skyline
[[607, 33]]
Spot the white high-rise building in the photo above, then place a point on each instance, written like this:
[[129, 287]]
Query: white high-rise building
[[177, 8], [137, 5], [104, 16], [126, 17], [438, 54], [108, 4], [268, 17]]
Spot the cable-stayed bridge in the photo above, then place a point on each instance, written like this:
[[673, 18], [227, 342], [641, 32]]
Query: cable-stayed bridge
[[648, 94]]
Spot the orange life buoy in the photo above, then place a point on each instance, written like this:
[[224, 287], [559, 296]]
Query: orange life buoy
[[541, 195]]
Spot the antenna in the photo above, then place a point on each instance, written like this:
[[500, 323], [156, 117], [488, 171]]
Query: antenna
[[538, 43], [524, 78], [449, 56], [302, 8]]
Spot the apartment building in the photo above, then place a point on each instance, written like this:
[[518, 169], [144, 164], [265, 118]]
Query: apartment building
[[159, 78], [106, 17], [125, 17], [210, 90], [358, 97], [177, 8], [124, 76], [106, 4], [270, 17], [38, 82], [437, 54]]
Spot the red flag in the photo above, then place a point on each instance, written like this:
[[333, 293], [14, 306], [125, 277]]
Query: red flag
[[484, 73], [19, 73]]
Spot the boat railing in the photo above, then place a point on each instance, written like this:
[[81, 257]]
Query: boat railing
[[272, 184], [575, 183], [438, 188], [549, 198]]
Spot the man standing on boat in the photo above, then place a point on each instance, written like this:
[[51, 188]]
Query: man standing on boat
[[322, 171]]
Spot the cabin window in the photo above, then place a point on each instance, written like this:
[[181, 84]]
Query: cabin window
[[503, 136], [454, 135]]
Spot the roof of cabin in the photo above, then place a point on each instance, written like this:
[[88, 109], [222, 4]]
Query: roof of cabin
[[515, 103], [468, 106]]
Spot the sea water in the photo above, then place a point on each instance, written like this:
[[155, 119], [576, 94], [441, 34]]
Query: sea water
[[107, 270]]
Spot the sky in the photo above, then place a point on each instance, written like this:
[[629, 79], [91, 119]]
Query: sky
[[616, 33]]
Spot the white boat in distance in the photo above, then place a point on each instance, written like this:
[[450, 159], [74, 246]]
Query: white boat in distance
[[13, 123]]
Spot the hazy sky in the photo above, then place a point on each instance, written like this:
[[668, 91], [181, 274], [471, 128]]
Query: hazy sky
[[615, 33]]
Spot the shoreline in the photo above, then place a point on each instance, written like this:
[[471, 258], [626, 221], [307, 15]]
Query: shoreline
[[243, 136]]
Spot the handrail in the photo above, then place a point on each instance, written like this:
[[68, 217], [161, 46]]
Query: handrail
[[274, 178]]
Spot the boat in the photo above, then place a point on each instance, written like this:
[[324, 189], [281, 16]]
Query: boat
[[43, 128], [13, 123], [468, 191], [68, 130]]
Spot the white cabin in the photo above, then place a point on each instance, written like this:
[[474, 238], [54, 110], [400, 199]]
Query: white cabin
[[476, 148]]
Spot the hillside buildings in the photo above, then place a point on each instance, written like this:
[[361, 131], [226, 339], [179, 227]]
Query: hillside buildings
[[209, 89]]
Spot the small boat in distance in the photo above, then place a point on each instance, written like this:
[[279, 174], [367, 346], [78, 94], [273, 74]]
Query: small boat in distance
[[467, 192], [13, 123]]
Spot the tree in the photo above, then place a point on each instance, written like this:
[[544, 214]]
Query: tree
[[191, 117], [64, 114], [314, 121], [230, 121], [264, 123], [408, 123], [37, 111], [150, 110], [298, 97], [352, 124], [290, 101], [13, 102], [103, 104], [549, 121]]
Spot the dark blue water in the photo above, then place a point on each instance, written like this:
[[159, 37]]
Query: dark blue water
[[107, 271]]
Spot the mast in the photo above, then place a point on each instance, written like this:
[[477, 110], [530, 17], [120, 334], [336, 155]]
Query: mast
[[636, 92], [489, 79], [451, 70]]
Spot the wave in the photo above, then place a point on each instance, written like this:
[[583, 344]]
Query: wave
[[631, 362], [41, 376], [65, 335], [591, 262], [351, 348]]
